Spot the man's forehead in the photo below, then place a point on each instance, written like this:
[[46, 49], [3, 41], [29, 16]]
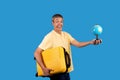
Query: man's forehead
[[58, 18]]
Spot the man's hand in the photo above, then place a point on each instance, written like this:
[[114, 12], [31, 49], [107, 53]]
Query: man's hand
[[96, 42], [46, 71]]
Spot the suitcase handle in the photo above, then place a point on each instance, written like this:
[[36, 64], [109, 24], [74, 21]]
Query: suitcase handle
[[67, 60], [67, 57]]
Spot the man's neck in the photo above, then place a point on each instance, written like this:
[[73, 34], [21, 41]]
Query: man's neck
[[59, 32]]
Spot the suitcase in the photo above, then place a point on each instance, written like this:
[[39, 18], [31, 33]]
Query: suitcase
[[56, 59]]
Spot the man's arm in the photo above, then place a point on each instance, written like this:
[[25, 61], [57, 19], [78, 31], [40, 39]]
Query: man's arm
[[82, 44], [39, 59]]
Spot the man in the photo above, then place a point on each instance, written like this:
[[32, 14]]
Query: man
[[56, 38]]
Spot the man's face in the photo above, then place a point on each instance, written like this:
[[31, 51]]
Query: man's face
[[58, 23]]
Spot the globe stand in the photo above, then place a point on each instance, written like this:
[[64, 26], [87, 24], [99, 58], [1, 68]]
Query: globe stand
[[97, 39]]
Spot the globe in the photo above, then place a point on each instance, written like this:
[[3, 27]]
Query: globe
[[97, 29]]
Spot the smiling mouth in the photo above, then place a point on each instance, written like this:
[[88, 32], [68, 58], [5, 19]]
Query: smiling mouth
[[59, 26]]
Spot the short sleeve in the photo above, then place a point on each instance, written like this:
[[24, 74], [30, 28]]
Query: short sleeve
[[70, 37], [46, 43]]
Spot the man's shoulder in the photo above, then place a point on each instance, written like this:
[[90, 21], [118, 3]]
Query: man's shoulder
[[49, 34]]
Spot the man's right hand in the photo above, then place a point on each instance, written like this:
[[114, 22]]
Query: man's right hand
[[46, 71]]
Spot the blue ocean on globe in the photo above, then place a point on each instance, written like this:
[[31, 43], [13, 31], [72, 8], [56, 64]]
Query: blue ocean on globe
[[97, 30]]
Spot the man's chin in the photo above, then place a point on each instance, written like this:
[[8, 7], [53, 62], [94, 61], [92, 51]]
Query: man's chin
[[60, 30]]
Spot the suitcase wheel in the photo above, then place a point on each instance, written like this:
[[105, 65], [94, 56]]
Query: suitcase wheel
[[36, 74]]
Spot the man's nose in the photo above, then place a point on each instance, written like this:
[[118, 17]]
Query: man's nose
[[60, 23]]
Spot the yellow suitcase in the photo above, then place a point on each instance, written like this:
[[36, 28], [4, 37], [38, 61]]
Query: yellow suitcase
[[56, 59]]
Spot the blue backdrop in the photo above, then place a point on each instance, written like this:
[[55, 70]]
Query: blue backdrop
[[24, 23]]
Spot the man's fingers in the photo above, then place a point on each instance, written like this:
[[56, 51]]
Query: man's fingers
[[96, 42], [51, 70]]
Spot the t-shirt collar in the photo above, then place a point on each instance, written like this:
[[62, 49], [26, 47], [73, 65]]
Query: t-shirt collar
[[57, 33]]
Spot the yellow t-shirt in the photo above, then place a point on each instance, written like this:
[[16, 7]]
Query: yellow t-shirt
[[53, 39]]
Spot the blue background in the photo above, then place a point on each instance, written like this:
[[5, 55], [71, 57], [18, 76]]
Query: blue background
[[24, 23]]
